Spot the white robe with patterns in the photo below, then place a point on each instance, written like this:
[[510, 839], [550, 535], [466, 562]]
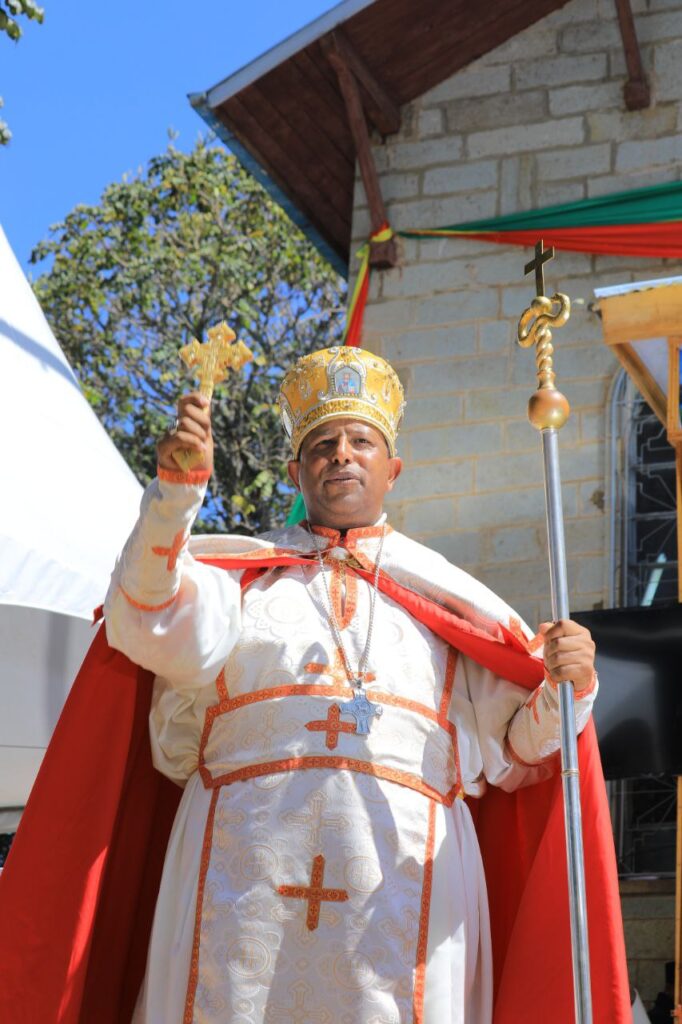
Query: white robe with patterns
[[315, 875]]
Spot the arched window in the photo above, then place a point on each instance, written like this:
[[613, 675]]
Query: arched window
[[643, 572]]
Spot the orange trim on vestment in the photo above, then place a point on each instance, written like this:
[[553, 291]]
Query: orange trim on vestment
[[344, 605], [423, 936], [352, 764], [148, 607], [196, 942], [172, 476], [221, 686]]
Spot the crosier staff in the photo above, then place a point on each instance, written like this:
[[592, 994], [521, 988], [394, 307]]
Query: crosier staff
[[548, 410]]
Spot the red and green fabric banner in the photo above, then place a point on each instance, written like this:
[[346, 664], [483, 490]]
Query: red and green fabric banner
[[645, 222]]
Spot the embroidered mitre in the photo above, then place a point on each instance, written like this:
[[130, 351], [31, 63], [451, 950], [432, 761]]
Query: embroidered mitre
[[341, 381]]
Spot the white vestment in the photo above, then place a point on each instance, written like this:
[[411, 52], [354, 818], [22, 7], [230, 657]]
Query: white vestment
[[315, 875]]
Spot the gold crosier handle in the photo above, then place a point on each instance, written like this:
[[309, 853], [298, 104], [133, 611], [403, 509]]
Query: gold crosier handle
[[547, 407], [212, 361]]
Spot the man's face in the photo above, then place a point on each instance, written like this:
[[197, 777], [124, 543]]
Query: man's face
[[343, 471]]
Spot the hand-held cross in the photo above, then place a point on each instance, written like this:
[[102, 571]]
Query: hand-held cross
[[212, 361]]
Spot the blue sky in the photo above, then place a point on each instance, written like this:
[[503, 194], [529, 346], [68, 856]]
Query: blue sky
[[91, 93]]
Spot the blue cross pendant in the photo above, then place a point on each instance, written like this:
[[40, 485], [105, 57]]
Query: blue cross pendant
[[362, 710]]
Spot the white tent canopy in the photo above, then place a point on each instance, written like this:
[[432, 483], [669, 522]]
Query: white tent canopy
[[69, 501]]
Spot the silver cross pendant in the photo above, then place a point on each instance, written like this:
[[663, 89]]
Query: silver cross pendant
[[362, 711]]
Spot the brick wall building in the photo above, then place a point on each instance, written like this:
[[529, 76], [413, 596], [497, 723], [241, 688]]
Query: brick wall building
[[540, 120]]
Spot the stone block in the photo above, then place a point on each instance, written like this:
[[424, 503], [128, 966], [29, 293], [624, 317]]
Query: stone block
[[399, 313], [435, 410], [461, 441], [430, 122], [649, 153], [495, 111], [494, 404], [517, 580], [560, 192], [438, 212], [567, 131], [420, 279], [459, 374], [435, 480], [395, 185], [589, 575], [667, 65], [517, 543], [577, 99], [584, 462], [498, 267], [474, 80], [408, 156], [591, 37], [650, 939], [646, 907], [496, 336], [500, 472], [591, 498], [520, 436], [574, 163], [540, 39], [614, 183], [460, 178], [585, 537], [461, 305], [659, 26], [562, 70], [461, 547], [438, 342], [434, 515], [620, 125], [593, 425], [524, 506]]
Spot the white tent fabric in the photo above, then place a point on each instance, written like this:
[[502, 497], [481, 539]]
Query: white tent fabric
[[69, 498], [68, 503]]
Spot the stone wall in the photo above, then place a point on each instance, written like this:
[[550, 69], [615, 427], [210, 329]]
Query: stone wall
[[540, 120], [649, 921]]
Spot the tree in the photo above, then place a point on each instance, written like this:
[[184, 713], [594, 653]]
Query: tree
[[189, 242], [10, 10]]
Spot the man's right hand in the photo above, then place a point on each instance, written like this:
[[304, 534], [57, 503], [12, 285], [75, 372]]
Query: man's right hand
[[193, 432]]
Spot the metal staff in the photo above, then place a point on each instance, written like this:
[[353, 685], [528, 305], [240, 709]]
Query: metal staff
[[548, 410]]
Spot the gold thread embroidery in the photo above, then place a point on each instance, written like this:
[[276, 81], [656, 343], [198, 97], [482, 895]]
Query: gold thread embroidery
[[196, 941], [314, 894], [423, 937]]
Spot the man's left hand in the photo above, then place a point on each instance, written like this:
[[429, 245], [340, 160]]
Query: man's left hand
[[569, 653]]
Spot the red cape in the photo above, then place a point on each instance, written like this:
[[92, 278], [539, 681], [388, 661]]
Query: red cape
[[78, 890]]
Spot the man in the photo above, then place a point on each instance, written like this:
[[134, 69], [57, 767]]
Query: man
[[323, 864]]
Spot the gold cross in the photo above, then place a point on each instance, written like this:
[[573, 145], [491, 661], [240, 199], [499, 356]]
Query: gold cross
[[212, 361], [332, 726], [314, 894], [214, 358], [537, 264]]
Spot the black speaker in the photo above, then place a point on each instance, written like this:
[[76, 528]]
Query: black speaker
[[638, 711]]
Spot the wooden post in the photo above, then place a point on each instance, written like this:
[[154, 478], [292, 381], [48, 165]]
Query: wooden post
[[636, 89], [382, 254]]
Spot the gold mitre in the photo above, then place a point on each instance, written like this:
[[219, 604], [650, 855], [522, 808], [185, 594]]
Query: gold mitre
[[341, 381]]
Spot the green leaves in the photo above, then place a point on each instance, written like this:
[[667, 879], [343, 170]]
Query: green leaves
[[12, 28], [190, 241]]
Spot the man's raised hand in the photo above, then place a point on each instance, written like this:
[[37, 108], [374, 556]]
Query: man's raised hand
[[192, 432]]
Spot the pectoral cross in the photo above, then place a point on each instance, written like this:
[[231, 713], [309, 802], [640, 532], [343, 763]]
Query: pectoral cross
[[211, 361], [537, 264], [362, 710]]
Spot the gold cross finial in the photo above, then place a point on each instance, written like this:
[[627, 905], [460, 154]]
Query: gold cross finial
[[537, 264]]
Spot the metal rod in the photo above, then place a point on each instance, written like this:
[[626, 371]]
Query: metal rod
[[569, 744]]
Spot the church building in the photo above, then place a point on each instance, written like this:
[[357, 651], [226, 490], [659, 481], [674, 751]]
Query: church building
[[418, 135]]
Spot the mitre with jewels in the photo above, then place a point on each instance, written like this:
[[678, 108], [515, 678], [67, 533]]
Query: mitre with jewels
[[341, 381]]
